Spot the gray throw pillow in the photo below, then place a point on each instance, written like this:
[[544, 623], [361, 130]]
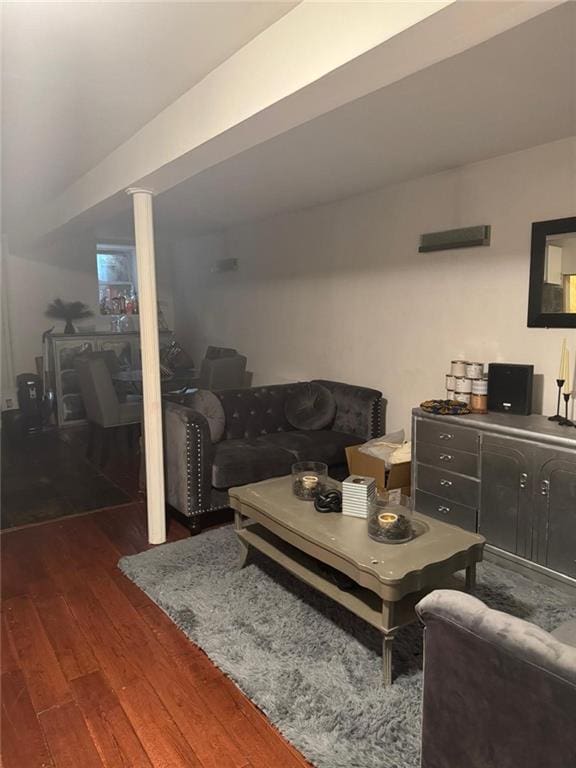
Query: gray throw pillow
[[311, 406], [208, 405]]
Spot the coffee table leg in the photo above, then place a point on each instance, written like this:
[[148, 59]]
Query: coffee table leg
[[239, 524], [388, 630], [244, 554], [471, 578], [238, 520], [387, 641]]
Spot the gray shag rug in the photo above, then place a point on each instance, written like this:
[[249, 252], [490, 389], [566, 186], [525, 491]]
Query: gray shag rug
[[309, 665]]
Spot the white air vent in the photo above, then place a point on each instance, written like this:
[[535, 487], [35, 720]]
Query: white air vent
[[468, 237]]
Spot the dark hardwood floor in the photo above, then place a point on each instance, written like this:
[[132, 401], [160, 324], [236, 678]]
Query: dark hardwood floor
[[94, 674], [47, 476]]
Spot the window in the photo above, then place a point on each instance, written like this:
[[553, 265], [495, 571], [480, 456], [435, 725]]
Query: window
[[116, 265]]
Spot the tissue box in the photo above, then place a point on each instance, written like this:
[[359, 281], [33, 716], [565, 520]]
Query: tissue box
[[398, 476]]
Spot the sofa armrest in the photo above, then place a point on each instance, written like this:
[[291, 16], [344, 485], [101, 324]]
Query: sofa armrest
[[189, 454], [516, 636], [498, 690], [359, 410]]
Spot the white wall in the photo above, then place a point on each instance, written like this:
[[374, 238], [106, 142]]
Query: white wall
[[197, 320], [65, 270], [340, 291]]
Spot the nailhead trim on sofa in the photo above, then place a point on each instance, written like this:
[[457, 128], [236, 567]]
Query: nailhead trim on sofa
[[200, 510]]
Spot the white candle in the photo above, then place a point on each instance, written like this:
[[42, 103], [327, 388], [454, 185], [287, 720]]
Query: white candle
[[386, 519], [567, 388], [309, 481], [562, 354]]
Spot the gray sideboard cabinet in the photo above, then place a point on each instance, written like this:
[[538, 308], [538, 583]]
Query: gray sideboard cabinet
[[511, 478]]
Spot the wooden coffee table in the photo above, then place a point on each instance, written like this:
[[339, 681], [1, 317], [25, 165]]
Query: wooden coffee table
[[391, 578]]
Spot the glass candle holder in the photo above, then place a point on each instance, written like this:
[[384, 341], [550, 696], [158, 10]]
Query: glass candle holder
[[389, 523], [309, 479]]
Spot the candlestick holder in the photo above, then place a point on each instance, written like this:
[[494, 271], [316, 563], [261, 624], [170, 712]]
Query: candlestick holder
[[565, 421], [557, 417]]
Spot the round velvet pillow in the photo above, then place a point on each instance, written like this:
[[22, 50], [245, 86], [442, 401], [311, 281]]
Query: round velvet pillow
[[208, 405], [311, 406]]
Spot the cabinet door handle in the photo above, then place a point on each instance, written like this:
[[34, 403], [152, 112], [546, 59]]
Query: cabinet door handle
[[446, 483], [444, 510], [446, 436], [523, 480], [545, 487], [446, 457]]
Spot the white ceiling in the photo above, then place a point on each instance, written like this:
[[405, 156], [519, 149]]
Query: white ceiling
[[512, 92], [79, 78]]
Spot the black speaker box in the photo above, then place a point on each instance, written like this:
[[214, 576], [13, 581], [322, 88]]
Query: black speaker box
[[510, 388]]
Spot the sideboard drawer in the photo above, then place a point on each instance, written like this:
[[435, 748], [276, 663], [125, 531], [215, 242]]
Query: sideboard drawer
[[448, 485], [447, 511], [447, 458], [447, 435]]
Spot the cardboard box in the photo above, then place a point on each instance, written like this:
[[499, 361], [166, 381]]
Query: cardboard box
[[363, 464]]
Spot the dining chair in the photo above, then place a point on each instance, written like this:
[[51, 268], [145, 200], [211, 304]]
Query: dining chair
[[214, 353], [106, 415], [222, 373]]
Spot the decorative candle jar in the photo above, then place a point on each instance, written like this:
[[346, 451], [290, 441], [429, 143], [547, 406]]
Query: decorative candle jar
[[389, 523], [309, 479]]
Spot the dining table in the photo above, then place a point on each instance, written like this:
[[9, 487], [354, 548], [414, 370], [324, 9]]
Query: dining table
[[133, 377]]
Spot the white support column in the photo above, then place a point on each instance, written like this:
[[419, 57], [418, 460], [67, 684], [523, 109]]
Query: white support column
[[152, 421]]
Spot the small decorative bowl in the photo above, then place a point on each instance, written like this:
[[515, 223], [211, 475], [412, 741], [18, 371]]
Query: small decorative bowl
[[309, 479], [389, 524]]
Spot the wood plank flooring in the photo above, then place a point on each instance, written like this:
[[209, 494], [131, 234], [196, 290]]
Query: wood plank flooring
[[94, 674], [47, 476]]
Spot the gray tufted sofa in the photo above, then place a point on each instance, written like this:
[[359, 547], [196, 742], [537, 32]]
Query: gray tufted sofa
[[258, 442], [499, 692]]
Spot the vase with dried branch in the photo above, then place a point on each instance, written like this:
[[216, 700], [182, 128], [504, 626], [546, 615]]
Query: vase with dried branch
[[68, 311]]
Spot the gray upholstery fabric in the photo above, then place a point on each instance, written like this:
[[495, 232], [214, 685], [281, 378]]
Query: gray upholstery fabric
[[237, 462], [519, 637], [499, 692], [359, 410], [98, 393], [175, 456], [314, 445], [566, 633], [241, 461], [188, 455], [99, 396], [208, 405], [258, 442], [310, 406], [254, 412]]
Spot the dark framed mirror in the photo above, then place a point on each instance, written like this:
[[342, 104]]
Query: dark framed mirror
[[552, 294]]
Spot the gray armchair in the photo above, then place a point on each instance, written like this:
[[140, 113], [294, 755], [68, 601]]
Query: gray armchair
[[499, 692]]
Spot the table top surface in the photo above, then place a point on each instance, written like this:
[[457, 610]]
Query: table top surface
[[90, 334], [135, 375], [533, 427], [347, 537]]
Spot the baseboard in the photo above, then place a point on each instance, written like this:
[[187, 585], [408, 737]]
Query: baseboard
[[531, 570]]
